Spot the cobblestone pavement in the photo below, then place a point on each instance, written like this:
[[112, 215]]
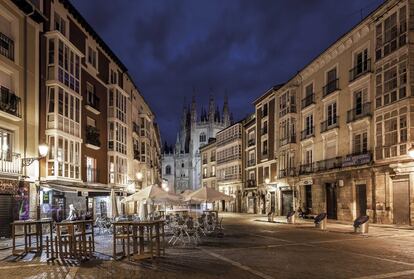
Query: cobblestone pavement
[[251, 248]]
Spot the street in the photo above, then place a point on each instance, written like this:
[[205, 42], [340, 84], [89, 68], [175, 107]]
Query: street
[[251, 248]]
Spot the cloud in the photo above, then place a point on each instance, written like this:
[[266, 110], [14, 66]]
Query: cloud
[[244, 47]]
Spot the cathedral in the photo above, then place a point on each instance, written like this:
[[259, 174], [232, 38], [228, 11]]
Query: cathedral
[[181, 163]]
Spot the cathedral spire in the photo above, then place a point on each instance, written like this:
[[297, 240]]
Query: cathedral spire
[[226, 112], [211, 105], [193, 111]]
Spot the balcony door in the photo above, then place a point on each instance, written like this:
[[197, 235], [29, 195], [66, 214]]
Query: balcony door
[[331, 114], [331, 200], [361, 62]]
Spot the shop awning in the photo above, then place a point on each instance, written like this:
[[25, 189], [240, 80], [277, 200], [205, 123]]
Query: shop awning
[[91, 191]]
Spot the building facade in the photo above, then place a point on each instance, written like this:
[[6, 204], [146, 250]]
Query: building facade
[[195, 131], [229, 165], [20, 26], [250, 194], [335, 137], [83, 82]]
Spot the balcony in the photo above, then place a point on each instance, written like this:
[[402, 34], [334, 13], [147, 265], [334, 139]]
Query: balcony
[[308, 100], [92, 103], [135, 128], [251, 162], [287, 140], [10, 163], [92, 175], [329, 124], [251, 183], [92, 137], [357, 159], [10, 104], [307, 133], [251, 142], [331, 87], [359, 112], [287, 109], [329, 164], [359, 70], [287, 172], [306, 168], [235, 176], [6, 46], [137, 155]]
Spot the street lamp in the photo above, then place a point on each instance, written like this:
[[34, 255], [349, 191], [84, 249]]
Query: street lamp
[[411, 152], [43, 151], [267, 180]]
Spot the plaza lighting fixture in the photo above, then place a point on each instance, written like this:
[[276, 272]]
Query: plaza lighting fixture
[[267, 180], [43, 151], [411, 152], [139, 175]]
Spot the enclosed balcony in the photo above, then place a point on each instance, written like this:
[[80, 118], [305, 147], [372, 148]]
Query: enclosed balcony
[[289, 172], [307, 133], [135, 128], [360, 69], [92, 137], [287, 140], [137, 155], [6, 46], [359, 112], [308, 100], [251, 162], [251, 142], [331, 123], [10, 104], [331, 87]]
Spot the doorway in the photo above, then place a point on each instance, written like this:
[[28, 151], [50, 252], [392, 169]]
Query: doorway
[[308, 199], [361, 200], [6, 215], [223, 205], [287, 202], [331, 201], [272, 202], [401, 202]]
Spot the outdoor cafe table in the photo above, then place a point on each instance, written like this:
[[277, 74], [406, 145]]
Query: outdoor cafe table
[[211, 212], [71, 239], [29, 232], [143, 235]]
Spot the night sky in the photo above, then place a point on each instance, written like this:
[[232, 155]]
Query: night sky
[[239, 47]]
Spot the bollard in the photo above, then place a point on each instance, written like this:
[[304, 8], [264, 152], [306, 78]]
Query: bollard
[[291, 217], [321, 225], [361, 224], [271, 216]]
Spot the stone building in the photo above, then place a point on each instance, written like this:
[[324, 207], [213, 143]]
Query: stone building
[[20, 26], [209, 164], [195, 131], [250, 194], [343, 126], [84, 82], [229, 156]]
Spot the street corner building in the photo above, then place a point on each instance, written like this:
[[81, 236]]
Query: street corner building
[[336, 136], [62, 87]]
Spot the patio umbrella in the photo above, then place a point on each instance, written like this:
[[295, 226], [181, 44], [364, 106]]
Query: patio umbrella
[[207, 194], [114, 206], [153, 194]]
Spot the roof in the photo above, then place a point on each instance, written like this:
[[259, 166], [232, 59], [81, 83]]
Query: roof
[[30, 9], [268, 92]]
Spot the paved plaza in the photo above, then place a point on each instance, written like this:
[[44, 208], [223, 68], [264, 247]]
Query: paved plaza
[[251, 248]]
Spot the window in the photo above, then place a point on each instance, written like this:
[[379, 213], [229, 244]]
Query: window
[[64, 157], [309, 90], [308, 156], [266, 172], [265, 110], [287, 103], [360, 64], [308, 124], [68, 70], [331, 114], [264, 147], [264, 129], [203, 137], [213, 170], [360, 142], [60, 24], [92, 57], [6, 143], [391, 33], [168, 170], [114, 77], [205, 173], [91, 171]]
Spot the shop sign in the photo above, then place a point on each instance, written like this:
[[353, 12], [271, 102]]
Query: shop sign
[[46, 198], [355, 160]]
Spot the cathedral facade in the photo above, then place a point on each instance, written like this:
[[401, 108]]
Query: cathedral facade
[[181, 163]]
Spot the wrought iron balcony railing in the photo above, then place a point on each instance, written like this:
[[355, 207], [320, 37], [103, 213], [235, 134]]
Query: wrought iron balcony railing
[[359, 70], [9, 102], [10, 162], [359, 112], [307, 133], [331, 87], [332, 122], [289, 172], [92, 136], [287, 140], [308, 100]]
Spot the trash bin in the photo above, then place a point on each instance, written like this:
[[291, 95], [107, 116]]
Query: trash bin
[[291, 217], [320, 221], [361, 224], [271, 216]]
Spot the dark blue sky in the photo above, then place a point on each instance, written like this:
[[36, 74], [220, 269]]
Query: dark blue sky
[[242, 47]]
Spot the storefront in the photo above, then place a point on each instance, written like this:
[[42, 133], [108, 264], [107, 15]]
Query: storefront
[[14, 203]]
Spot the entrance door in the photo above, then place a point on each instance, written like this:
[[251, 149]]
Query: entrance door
[[331, 202], [223, 205], [6, 215], [308, 198], [401, 203], [361, 198], [287, 202], [272, 201]]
